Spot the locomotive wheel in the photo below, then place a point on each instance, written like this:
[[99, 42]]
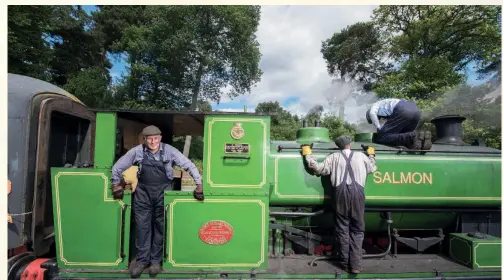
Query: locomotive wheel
[[17, 264], [15, 258]]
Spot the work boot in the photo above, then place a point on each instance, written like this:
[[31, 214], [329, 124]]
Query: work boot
[[427, 141], [418, 141], [355, 271], [155, 268], [341, 265], [137, 270]]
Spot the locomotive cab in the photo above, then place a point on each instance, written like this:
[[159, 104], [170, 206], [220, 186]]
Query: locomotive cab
[[130, 123], [236, 143]]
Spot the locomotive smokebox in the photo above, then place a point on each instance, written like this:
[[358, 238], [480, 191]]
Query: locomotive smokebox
[[448, 129]]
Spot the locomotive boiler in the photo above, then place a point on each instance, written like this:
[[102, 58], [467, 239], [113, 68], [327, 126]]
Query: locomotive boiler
[[431, 215], [454, 186]]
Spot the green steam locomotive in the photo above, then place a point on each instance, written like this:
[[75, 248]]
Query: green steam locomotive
[[433, 215]]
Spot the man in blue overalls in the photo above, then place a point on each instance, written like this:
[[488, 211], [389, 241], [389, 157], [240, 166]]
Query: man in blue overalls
[[155, 162], [348, 172], [402, 117]]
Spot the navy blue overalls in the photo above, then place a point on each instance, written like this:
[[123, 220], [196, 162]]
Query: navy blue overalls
[[149, 207], [349, 206], [399, 127]]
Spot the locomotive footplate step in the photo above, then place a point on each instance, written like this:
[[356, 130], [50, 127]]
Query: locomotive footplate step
[[420, 244], [299, 265]]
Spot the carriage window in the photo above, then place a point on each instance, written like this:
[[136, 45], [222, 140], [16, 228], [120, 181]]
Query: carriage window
[[69, 140]]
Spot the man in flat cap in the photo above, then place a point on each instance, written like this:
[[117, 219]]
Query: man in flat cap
[[348, 172], [155, 162]]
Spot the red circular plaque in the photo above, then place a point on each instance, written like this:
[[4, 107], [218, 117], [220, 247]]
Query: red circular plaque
[[216, 232]]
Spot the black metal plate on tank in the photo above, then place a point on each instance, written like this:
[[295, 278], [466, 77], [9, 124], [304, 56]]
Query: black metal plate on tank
[[237, 148]]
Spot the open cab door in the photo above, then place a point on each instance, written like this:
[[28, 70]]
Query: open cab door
[[89, 222]]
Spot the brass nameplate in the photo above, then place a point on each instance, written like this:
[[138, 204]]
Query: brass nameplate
[[237, 148]]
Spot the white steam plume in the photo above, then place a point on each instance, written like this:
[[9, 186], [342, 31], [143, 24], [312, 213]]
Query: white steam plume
[[348, 101]]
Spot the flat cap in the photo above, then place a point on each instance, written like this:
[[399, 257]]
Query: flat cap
[[343, 140], [151, 130]]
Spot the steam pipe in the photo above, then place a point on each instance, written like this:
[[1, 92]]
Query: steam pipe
[[280, 148], [389, 221], [384, 209], [299, 214], [432, 210]]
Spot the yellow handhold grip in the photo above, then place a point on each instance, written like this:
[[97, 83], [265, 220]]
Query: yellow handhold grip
[[306, 150], [371, 151]]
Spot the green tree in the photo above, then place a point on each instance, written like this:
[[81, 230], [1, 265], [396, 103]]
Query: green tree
[[75, 44], [113, 21], [180, 55], [219, 47], [462, 34], [423, 79], [204, 106], [119, 25], [58, 44], [357, 53], [337, 127], [91, 87], [429, 46], [28, 53], [284, 125]]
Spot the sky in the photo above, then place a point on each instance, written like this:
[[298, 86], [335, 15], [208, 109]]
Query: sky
[[294, 72]]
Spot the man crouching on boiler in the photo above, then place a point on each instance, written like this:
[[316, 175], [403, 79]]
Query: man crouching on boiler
[[155, 175], [348, 199]]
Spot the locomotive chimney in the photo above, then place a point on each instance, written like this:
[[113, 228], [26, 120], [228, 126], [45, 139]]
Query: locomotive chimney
[[448, 129], [313, 134]]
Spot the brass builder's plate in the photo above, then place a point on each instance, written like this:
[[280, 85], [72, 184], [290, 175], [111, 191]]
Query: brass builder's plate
[[234, 148]]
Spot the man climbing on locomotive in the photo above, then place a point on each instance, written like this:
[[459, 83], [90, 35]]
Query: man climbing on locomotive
[[348, 198], [155, 175], [402, 117]]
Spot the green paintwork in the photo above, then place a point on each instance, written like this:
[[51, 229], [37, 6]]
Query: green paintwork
[[87, 220], [104, 147], [187, 251], [308, 135], [475, 253], [236, 176], [363, 137], [419, 180], [240, 191]]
